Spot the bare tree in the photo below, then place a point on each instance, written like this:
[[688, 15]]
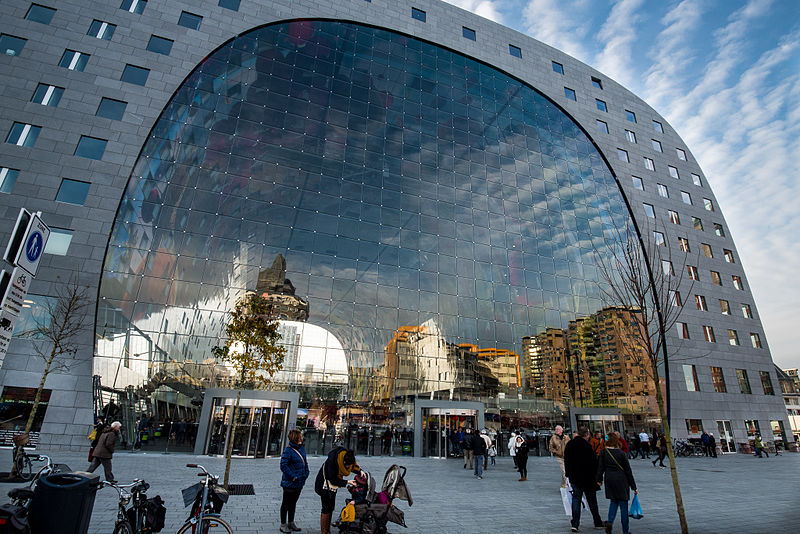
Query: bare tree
[[642, 275], [56, 333], [252, 349]]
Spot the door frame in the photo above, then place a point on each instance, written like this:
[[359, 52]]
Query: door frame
[[419, 404]]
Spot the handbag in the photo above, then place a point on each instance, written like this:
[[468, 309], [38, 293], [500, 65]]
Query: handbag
[[635, 510], [566, 500], [92, 435]]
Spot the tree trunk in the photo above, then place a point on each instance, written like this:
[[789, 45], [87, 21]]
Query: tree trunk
[[673, 469], [32, 416], [231, 435]]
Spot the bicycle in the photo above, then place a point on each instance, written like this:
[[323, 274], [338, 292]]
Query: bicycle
[[206, 498], [131, 520], [24, 463]]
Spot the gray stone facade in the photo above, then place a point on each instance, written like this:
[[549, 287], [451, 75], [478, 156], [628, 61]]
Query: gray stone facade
[[43, 166]]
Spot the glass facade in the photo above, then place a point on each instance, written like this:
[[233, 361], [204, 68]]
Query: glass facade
[[413, 214]]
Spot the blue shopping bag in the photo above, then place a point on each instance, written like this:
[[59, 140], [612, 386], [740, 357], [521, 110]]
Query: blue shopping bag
[[635, 510]]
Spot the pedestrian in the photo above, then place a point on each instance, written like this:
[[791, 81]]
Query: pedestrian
[[644, 440], [521, 449], [704, 443], [492, 452], [661, 443], [613, 465], [636, 446], [712, 445], [97, 431], [478, 454], [597, 442], [104, 451], [512, 449], [580, 463], [294, 469], [556, 447], [386, 441], [488, 441], [759, 447], [338, 465], [467, 446], [623, 444]]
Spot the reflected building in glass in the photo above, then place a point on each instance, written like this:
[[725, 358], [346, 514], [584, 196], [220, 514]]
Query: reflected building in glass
[[423, 216]]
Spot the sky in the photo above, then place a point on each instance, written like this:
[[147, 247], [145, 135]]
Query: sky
[[726, 75]]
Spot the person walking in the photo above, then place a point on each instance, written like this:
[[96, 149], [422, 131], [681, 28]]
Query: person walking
[[492, 452], [597, 442], [759, 447], [580, 463], [636, 446], [485, 437], [512, 449], [478, 454], [468, 445], [104, 451], [98, 432], [556, 447], [712, 445], [294, 469], [704, 443], [623, 444], [661, 443], [338, 465], [521, 450], [644, 441], [613, 466]]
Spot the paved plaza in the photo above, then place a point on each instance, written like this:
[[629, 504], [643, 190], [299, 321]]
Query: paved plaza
[[731, 494]]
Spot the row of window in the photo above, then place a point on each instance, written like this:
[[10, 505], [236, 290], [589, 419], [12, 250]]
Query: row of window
[[650, 165], [663, 191], [683, 243], [22, 134], [708, 334], [694, 274], [702, 305], [718, 380]]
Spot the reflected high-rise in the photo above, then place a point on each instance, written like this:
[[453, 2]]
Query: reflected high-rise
[[421, 205]]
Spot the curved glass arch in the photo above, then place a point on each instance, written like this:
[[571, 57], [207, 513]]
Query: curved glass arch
[[427, 212]]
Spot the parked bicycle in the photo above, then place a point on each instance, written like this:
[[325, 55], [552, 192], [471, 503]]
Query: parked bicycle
[[206, 499], [25, 469], [143, 516]]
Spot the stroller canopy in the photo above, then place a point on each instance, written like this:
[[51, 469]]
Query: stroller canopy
[[394, 483]]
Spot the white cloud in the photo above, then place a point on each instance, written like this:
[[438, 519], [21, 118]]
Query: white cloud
[[618, 35], [559, 23], [485, 8]]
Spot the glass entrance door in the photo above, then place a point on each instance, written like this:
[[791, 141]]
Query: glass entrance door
[[260, 427], [726, 443], [440, 427]]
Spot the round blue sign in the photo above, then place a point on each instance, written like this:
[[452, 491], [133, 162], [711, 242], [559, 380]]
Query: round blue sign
[[33, 248]]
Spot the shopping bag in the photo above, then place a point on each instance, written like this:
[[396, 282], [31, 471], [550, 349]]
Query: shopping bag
[[635, 510], [566, 499]]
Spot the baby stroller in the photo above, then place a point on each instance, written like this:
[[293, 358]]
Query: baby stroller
[[369, 512]]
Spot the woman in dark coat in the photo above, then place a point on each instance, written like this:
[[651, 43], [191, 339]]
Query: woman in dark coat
[[331, 476], [613, 464], [294, 467], [522, 458]]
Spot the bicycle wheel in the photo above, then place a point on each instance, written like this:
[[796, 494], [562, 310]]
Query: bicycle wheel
[[123, 528], [211, 525], [24, 467]]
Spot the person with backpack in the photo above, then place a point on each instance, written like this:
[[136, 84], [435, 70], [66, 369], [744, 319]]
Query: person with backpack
[[331, 476], [613, 465], [294, 469]]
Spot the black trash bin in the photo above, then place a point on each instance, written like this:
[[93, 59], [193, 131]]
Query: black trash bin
[[63, 502]]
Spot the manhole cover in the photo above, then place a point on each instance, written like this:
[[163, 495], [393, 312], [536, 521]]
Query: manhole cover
[[241, 489]]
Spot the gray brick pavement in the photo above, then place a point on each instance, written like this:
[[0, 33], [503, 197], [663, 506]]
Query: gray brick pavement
[[731, 494]]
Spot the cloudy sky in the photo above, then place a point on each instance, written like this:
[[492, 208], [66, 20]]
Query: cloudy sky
[[726, 75]]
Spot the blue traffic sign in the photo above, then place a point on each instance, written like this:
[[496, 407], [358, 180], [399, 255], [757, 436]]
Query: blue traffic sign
[[34, 246]]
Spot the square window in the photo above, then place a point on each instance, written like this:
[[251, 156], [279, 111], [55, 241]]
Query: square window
[[686, 197], [719, 230], [22, 134], [673, 171], [706, 248], [755, 339], [58, 242], [630, 115], [101, 30], [649, 210], [74, 60], [708, 333], [597, 82], [558, 67], [468, 33], [41, 14], [570, 93], [718, 379], [190, 20], [622, 155], [601, 105], [602, 126], [744, 383], [418, 14], [694, 274], [666, 267], [160, 45], [91, 147], [715, 278], [683, 330], [737, 282], [47, 95], [656, 145], [10, 45], [8, 177], [111, 109], [515, 51], [657, 126], [728, 254], [674, 218], [649, 164], [630, 136], [708, 204], [696, 180], [724, 307], [659, 240], [73, 191], [700, 300], [134, 6], [233, 5], [746, 311], [135, 75], [662, 190], [681, 154], [637, 183], [733, 337], [697, 223]]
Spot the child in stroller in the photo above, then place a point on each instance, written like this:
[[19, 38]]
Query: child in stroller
[[368, 512]]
